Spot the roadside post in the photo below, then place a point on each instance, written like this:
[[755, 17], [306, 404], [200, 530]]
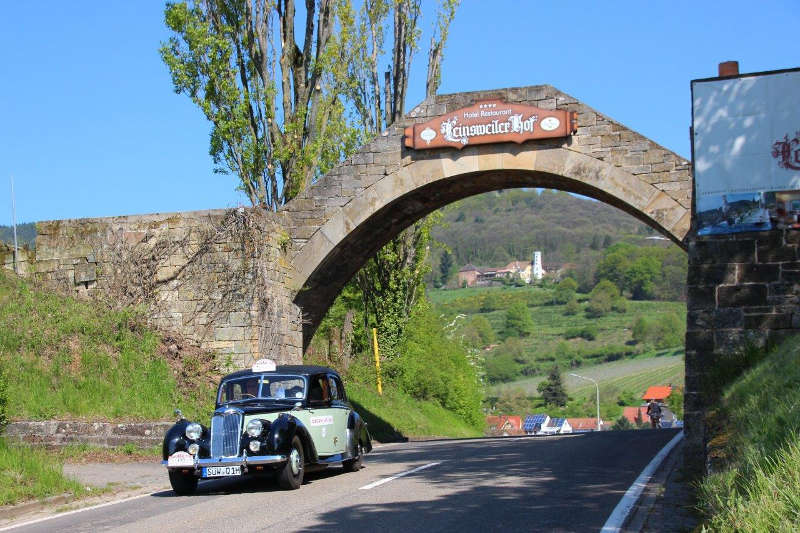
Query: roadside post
[[596, 386], [14, 224], [377, 359]]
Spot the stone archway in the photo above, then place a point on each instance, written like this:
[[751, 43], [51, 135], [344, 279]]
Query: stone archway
[[340, 221]]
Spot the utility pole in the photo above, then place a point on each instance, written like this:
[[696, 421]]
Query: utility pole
[[598, 396], [14, 225]]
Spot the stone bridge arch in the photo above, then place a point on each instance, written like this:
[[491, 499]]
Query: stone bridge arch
[[340, 221]]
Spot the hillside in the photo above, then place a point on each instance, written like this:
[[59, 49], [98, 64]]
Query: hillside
[[26, 234], [755, 449], [498, 227]]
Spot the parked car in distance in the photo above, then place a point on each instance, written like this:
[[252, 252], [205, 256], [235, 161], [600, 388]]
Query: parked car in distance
[[270, 421]]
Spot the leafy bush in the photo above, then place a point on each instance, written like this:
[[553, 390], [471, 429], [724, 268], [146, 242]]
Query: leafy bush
[[622, 423], [602, 299], [663, 332], [572, 307], [430, 366], [565, 291], [586, 332], [501, 368], [518, 321]]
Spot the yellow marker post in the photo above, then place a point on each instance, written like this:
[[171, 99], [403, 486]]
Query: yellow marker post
[[377, 359]]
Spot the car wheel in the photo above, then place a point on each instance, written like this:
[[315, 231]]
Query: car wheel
[[182, 484], [354, 464], [290, 477]]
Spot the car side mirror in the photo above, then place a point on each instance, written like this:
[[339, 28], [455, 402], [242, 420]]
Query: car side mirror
[[179, 414]]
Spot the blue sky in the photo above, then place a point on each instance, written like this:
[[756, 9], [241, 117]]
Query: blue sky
[[90, 125]]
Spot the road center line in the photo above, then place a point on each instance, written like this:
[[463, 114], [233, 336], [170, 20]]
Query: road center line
[[401, 474]]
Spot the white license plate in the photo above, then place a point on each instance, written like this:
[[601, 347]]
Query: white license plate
[[220, 471]]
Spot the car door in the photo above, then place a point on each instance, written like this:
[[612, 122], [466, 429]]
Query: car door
[[324, 417], [341, 412]]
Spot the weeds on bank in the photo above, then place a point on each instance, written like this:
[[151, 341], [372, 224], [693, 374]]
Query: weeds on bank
[[28, 473], [756, 449], [71, 358]]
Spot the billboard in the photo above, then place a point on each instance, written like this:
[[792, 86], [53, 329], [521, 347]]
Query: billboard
[[746, 151]]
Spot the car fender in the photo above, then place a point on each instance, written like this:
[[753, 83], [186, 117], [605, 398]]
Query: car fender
[[175, 439], [284, 429], [358, 427]]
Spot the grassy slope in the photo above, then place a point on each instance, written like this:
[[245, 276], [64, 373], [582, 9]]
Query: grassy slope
[[76, 359], [551, 324], [758, 441], [634, 375], [73, 359], [29, 473], [395, 415]]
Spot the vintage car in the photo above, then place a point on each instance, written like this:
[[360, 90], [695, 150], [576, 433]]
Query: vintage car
[[269, 421]]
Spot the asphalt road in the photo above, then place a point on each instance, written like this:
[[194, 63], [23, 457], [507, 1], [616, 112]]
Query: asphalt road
[[567, 483]]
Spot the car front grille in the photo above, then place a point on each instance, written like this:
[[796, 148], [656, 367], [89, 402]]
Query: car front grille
[[226, 431]]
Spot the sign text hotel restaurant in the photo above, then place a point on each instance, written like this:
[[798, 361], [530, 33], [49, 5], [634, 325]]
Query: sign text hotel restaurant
[[491, 121]]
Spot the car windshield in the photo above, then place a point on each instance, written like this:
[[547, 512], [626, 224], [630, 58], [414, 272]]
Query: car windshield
[[262, 386]]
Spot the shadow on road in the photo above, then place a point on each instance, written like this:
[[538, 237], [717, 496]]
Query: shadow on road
[[569, 484]]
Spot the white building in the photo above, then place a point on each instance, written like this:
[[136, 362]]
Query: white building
[[538, 271]]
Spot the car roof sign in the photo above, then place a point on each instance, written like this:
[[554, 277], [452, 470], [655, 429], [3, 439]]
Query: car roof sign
[[264, 365]]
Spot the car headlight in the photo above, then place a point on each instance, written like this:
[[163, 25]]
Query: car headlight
[[254, 428], [194, 431], [194, 448], [254, 446]]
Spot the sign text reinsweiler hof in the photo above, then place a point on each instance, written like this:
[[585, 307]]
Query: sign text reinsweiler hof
[[492, 121]]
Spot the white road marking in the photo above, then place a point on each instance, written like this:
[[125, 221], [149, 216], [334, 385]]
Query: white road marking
[[401, 474], [626, 503], [67, 513]]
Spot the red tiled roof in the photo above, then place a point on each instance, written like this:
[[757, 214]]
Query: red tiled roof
[[630, 413], [657, 392], [498, 421], [583, 423]]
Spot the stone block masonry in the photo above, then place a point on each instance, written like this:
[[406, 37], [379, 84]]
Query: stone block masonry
[[743, 290], [218, 278]]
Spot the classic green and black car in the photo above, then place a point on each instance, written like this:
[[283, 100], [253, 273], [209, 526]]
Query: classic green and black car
[[270, 421]]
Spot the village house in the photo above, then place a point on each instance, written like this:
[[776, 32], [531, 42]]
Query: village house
[[584, 425], [659, 393], [632, 413], [504, 425]]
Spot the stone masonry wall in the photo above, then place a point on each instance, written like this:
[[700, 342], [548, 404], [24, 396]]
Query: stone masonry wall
[[598, 136], [103, 434], [217, 278], [743, 289]]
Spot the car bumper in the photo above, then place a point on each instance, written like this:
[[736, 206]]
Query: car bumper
[[244, 462]]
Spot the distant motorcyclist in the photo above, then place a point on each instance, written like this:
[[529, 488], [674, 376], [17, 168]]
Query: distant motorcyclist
[[654, 412]]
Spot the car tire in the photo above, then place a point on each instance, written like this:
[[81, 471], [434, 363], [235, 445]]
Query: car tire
[[354, 464], [290, 477], [182, 484]]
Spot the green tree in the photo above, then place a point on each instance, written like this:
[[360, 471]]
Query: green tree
[[518, 321], [391, 283], [641, 276], [483, 329], [275, 104], [552, 389], [622, 423], [572, 307], [565, 291], [675, 402], [445, 267], [279, 93], [431, 366], [602, 298], [513, 402]]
